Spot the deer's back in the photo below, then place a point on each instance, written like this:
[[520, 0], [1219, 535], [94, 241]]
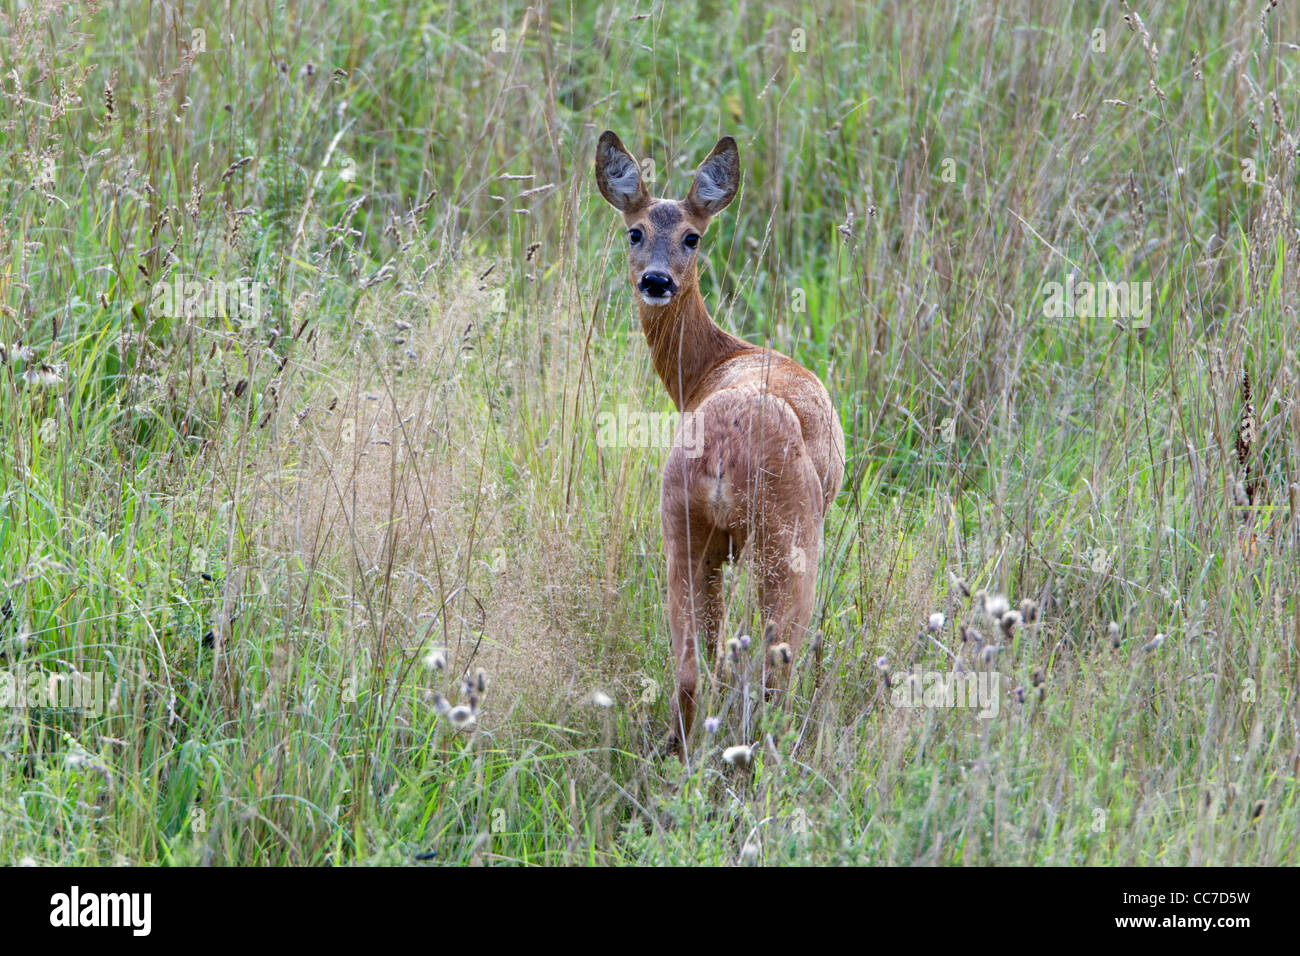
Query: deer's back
[[756, 372]]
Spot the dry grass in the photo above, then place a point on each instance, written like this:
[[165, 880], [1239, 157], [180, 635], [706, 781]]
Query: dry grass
[[382, 490]]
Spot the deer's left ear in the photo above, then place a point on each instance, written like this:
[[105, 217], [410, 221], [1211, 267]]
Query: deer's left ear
[[716, 181]]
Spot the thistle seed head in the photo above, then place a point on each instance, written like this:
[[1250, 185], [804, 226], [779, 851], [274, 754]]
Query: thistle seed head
[[1010, 621], [994, 605], [733, 650], [741, 756], [461, 717]]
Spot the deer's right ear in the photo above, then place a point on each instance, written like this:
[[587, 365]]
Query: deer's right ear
[[618, 176]]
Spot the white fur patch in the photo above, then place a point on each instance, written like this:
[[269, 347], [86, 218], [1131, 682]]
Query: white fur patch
[[654, 299]]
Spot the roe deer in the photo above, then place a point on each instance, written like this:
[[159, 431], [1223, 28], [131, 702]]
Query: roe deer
[[770, 455]]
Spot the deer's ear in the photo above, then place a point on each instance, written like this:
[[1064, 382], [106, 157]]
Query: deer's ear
[[618, 176], [716, 181]]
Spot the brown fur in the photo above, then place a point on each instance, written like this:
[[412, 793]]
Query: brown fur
[[772, 454]]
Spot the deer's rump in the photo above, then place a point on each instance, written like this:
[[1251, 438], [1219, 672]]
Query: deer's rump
[[740, 462]]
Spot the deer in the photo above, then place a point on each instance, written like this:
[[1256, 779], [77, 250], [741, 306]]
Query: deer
[[767, 458]]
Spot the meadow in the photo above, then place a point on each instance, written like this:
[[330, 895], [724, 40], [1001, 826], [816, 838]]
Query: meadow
[[309, 314]]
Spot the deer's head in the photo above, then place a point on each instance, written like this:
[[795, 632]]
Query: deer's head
[[664, 234]]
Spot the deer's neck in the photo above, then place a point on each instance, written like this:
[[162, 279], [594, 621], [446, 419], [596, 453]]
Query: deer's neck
[[685, 343]]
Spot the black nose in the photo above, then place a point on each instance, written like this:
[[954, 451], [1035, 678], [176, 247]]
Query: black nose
[[656, 283]]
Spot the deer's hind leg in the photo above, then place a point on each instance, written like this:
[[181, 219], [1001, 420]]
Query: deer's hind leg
[[787, 548], [696, 551]]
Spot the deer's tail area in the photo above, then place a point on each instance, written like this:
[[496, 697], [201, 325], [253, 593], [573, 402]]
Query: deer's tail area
[[742, 463]]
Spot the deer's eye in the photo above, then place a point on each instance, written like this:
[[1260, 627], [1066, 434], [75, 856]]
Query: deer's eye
[[691, 240], [634, 236]]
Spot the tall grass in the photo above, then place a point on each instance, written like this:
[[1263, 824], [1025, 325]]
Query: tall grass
[[287, 541]]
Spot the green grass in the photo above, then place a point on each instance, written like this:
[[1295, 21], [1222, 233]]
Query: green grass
[[255, 531]]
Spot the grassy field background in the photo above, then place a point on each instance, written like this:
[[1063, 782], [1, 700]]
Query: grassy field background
[[265, 534]]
